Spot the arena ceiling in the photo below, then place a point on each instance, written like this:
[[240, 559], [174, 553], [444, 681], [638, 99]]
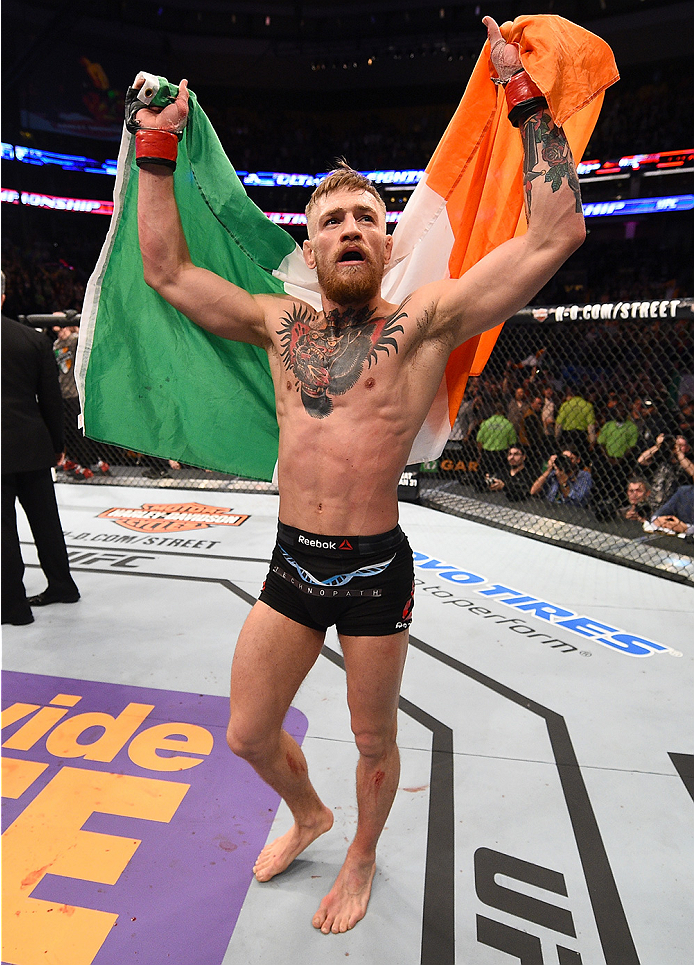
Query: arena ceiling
[[322, 46], [332, 20]]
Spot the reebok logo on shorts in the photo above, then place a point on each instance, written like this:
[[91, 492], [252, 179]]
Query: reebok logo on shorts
[[324, 544], [319, 543]]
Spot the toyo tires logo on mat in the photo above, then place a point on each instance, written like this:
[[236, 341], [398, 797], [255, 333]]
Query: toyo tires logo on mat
[[172, 517]]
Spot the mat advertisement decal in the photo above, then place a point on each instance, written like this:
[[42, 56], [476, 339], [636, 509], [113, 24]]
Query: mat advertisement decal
[[618, 640], [172, 517], [129, 828]]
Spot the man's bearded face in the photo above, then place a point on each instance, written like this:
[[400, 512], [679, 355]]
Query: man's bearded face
[[349, 246], [350, 284]]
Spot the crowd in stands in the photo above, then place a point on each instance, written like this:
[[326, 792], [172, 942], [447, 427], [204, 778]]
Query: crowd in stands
[[44, 277], [303, 142], [620, 446], [621, 270], [47, 276], [637, 118]]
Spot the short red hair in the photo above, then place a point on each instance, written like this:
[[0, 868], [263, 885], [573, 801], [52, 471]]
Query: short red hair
[[343, 178]]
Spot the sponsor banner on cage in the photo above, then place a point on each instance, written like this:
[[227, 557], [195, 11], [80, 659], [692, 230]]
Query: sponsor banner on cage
[[624, 310], [130, 829]]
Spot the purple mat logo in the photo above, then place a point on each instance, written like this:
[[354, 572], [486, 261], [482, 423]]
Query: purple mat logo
[[129, 828]]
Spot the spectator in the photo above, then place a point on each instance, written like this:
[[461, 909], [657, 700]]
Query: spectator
[[573, 457], [511, 379], [548, 411], [531, 432], [575, 423], [611, 462], [618, 436], [516, 409], [32, 438], [78, 455], [513, 479], [677, 514], [669, 464], [533, 362], [652, 423], [563, 482], [494, 437], [638, 507], [466, 420]]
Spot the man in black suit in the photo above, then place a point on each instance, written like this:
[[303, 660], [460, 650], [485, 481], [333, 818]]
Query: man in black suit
[[32, 440]]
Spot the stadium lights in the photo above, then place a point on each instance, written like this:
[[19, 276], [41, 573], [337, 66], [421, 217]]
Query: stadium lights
[[53, 203], [595, 209], [68, 162], [664, 162]]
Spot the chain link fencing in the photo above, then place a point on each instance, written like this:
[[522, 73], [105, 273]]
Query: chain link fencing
[[579, 431]]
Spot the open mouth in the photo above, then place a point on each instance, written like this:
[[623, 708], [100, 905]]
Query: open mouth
[[352, 255]]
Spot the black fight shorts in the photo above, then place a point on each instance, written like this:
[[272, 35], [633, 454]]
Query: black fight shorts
[[364, 585]]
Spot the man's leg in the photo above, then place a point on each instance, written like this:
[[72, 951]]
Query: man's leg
[[374, 667], [15, 608], [272, 657], [37, 496]]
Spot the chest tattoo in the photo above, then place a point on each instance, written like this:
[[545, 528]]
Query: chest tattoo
[[327, 354]]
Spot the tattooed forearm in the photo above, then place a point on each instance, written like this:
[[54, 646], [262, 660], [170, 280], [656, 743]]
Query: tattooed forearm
[[547, 153]]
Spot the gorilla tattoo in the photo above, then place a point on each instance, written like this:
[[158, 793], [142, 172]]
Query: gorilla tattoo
[[327, 356]]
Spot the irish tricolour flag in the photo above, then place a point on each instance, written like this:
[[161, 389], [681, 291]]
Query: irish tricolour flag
[[152, 381]]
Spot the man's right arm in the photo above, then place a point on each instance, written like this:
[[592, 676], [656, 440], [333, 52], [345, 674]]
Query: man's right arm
[[210, 301], [539, 483], [648, 455]]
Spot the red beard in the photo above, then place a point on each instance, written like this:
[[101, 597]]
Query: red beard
[[345, 287]]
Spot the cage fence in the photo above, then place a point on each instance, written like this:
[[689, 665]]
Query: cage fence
[[579, 432]]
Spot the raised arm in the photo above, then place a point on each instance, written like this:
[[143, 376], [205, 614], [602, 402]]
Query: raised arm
[[213, 303], [507, 278], [539, 483], [647, 456]]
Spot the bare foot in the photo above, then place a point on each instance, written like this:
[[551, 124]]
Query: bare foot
[[279, 854], [346, 903]]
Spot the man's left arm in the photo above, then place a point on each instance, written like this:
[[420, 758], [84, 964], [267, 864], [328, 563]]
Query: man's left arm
[[580, 491], [685, 463], [48, 395], [507, 278], [677, 513]]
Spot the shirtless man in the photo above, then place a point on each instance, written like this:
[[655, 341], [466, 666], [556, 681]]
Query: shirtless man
[[353, 384]]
